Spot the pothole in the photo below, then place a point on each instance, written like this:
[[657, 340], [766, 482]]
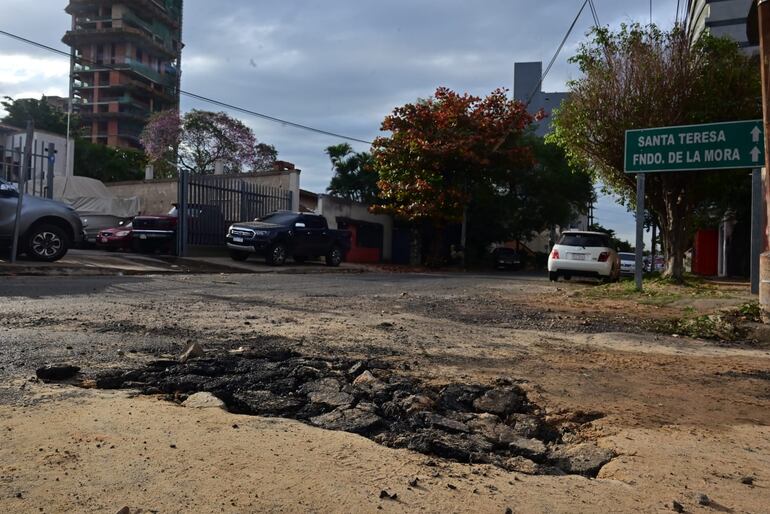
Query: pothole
[[471, 423]]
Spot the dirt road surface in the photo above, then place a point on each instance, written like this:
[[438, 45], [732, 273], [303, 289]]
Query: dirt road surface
[[686, 417]]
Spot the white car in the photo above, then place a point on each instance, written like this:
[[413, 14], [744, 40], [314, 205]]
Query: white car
[[627, 263], [583, 254]]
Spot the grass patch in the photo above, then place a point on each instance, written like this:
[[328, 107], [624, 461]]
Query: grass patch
[[657, 290]]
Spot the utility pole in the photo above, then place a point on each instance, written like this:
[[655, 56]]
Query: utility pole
[[763, 15]]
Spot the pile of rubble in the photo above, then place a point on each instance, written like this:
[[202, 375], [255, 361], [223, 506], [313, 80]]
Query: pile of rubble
[[468, 423]]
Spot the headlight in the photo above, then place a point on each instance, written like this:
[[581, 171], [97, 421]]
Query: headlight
[[230, 230], [261, 232], [84, 221], [122, 233]]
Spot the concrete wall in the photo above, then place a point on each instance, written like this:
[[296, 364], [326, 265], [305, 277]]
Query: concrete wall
[[156, 196], [332, 208], [11, 140], [526, 80]]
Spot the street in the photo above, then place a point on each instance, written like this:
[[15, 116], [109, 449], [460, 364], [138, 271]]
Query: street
[[684, 417]]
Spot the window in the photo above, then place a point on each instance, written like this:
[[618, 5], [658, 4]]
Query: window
[[314, 222], [584, 240]]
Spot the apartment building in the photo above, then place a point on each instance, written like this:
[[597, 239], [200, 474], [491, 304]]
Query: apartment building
[[126, 64]]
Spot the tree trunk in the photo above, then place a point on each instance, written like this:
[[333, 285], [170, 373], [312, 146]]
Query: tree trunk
[[415, 249], [675, 228], [436, 257]]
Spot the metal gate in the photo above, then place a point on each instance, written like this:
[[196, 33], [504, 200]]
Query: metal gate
[[38, 180], [214, 203]]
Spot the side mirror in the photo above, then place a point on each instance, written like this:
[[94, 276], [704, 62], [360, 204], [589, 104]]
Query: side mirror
[[299, 224]]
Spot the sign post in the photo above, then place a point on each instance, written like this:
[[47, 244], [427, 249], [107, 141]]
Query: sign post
[[731, 145], [639, 266]]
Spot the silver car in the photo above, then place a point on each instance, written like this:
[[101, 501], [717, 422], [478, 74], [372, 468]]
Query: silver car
[[47, 230]]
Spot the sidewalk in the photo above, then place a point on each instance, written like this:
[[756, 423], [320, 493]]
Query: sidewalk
[[97, 262]]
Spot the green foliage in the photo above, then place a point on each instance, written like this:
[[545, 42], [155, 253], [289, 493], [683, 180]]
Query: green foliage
[[620, 244], [354, 175], [108, 164], [45, 117], [533, 198], [642, 77]]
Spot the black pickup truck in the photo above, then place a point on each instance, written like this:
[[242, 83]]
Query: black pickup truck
[[285, 234]]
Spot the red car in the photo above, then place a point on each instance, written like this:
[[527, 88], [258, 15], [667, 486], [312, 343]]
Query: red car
[[118, 238]]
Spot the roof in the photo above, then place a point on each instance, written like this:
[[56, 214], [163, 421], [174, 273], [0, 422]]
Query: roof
[[585, 232]]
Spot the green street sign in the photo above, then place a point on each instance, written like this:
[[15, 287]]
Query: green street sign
[[713, 146]]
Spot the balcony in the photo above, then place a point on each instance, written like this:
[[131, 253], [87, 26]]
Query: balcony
[[130, 65], [119, 30], [164, 10]]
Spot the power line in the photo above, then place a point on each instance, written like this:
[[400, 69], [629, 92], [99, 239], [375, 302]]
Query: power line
[[196, 96], [595, 13], [556, 55]]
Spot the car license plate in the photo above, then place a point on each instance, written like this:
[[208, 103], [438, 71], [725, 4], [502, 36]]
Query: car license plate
[[104, 240], [577, 257], [142, 236], [237, 240]]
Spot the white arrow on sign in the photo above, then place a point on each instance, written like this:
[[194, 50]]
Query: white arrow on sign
[[755, 154], [755, 134]]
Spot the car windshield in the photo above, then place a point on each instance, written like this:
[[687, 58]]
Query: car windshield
[[585, 240], [279, 218], [627, 256]]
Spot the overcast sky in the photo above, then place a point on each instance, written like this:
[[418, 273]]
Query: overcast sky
[[338, 65]]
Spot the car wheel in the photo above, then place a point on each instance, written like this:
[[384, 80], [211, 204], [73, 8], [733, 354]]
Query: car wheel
[[47, 243], [276, 255], [239, 255], [334, 257], [553, 276]]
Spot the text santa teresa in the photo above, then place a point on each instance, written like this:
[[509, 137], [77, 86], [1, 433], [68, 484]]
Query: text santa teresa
[[685, 138]]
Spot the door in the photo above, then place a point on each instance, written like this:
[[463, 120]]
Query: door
[[8, 200], [317, 235]]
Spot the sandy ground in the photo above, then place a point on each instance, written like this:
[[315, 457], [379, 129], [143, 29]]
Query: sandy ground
[[688, 417]]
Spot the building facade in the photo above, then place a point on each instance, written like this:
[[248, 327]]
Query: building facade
[[126, 64], [527, 87], [723, 18]]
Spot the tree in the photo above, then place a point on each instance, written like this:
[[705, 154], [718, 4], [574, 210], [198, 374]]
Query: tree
[[354, 175], [644, 77], [40, 111], [443, 150], [537, 197], [200, 139], [108, 164], [620, 245], [265, 157]]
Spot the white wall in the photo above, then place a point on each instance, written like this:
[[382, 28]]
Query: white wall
[[332, 208]]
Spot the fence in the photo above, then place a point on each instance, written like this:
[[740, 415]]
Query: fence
[[214, 203], [39, 178]]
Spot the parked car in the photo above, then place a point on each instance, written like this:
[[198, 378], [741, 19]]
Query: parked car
[[48, 229], [627, 263], [151, 233], [284, 235], [116, 238], [97, 223], [158, 232], [583, 254], [506, 258]]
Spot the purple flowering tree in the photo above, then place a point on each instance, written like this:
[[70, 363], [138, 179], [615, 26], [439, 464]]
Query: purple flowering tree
[[198, 140]]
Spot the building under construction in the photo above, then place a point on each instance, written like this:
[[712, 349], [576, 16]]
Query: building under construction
[[126, 58]]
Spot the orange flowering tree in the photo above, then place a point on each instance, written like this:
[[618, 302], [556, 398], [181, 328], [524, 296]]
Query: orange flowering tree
[[443, 150]]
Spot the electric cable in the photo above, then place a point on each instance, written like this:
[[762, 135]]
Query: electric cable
[[213, 101]]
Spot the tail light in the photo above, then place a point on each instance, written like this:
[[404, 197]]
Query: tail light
[[604, 256], [555, 254]]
